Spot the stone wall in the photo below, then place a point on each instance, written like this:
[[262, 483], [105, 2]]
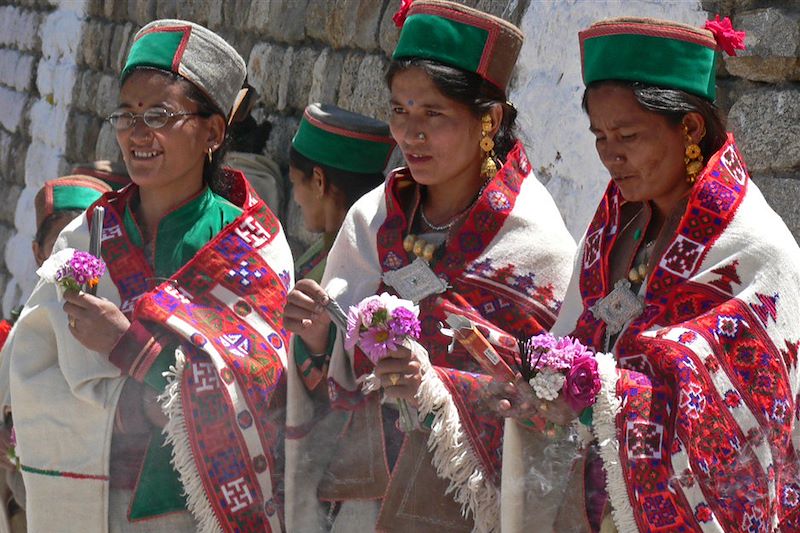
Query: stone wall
[[59, 60]]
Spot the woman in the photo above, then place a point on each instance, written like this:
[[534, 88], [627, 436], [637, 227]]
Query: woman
[[494, 248], [197, 267], [336, 156], [692, 283]]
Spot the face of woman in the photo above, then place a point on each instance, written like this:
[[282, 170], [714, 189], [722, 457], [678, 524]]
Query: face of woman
[[174, 154], [642, 151], [448, 151], [308, 197]]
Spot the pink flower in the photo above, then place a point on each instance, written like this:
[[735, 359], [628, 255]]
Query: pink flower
[[399, 18], [583, 383], [404, 323], [378, 342], [727, 38]]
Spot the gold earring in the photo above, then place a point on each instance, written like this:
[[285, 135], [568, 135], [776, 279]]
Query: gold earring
[[210, 154], [488, 165], [693, 158]]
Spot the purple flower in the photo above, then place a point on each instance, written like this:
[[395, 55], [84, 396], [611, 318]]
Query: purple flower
[[583, 383], [404, 323]]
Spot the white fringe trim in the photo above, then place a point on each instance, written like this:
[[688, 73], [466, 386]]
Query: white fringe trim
[[182, 458], [605, 429], [453, 457]]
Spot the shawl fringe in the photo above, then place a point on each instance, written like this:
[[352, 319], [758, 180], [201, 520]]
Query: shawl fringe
[[605, 430], [453, 457], [182, 457]]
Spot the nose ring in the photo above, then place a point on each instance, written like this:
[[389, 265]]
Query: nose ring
[[618, 158], [421, 136]]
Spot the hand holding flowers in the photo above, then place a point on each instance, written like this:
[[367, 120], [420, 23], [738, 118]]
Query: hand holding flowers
[[384, 327]]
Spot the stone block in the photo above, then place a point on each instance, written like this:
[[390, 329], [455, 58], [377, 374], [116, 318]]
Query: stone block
[[95, 44], [83, 130], [767, 126], [115, 10], [236, 13], [324, 76], [107, 95], [370, 95], [85, 90], [782, 195], [215, 19], [286, 20], [773, 46], [263, 71], [141, 11], [300, 79], [16, 69], [19, 28], [9, 192], [195, 10], [389, 32], [15, 164], [106, 147], [13, 105], [347, 82], [343, 23], [285, 74], [166, 9], [283, 129], [121, 34]]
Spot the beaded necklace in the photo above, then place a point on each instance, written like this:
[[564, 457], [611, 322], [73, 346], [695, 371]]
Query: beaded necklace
[[424, 249]]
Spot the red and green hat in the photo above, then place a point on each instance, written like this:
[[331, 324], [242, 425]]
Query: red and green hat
[[67, 193], [459, 36], [657, 52], [344, 140], [194, 52]]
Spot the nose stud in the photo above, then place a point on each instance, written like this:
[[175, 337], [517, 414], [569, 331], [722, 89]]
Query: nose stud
[[421, 136]]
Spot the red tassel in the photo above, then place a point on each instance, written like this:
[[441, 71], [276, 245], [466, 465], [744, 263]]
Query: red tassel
[[399, 18], [727, 38]]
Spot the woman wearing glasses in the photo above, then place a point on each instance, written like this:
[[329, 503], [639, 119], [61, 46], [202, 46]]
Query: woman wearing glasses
[[197, 268]]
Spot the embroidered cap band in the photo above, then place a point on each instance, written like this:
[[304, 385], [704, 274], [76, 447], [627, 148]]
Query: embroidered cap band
[[461, 37], [194, 52], [67, 193], [344, 140]]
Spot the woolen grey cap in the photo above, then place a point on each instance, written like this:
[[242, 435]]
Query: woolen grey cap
[[194, 52]]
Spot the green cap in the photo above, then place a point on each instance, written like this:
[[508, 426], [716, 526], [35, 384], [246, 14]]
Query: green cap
[[343, 140], [460, 37], [194, 52], [656, 52], [67, 193]]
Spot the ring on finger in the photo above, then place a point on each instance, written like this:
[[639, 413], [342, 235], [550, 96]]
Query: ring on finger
[[394, 379]]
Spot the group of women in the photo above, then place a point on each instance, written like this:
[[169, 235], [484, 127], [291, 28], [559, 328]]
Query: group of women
[[203, 389]]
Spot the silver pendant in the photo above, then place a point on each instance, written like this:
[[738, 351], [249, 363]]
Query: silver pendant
[[618, 307], [415, 281]]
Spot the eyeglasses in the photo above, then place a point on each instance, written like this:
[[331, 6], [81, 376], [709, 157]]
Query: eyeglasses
[[155, 117]]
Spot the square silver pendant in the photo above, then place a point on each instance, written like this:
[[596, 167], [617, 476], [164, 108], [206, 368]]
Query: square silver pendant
[[415, 281], [618, 307]]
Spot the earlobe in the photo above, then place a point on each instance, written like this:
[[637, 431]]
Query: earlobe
[[216, 130], [496, 112]]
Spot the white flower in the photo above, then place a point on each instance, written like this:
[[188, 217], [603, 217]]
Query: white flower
[[547, 384], [49, 269], [392, 302]]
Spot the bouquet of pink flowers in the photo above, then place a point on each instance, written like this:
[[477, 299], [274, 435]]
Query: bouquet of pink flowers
[[72, 269], [379, 325], [554, 366]]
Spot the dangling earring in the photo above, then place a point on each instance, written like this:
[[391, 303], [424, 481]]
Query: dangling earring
[[693, 158], [210, 154], [488, 165]]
